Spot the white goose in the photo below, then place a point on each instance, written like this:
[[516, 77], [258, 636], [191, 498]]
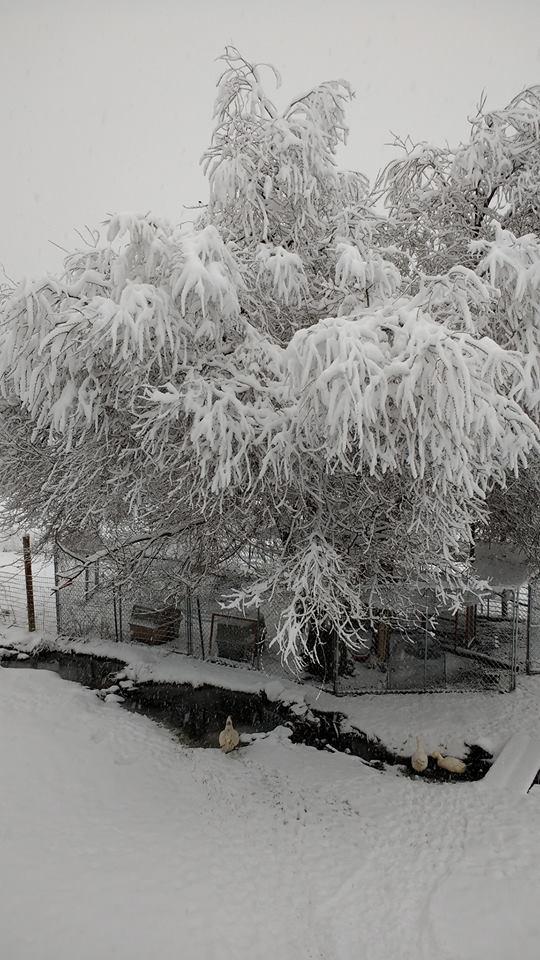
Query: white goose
[[229, 738], [419, 759], [452, 764]]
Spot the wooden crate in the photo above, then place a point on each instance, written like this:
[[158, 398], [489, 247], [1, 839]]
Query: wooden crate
[[154, 625]]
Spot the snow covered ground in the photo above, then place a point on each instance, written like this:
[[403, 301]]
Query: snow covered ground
[[119, 842]]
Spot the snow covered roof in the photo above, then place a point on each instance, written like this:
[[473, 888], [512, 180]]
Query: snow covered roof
[[503, 565]]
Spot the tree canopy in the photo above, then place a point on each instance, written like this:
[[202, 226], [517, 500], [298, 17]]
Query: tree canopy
[[336, 380]]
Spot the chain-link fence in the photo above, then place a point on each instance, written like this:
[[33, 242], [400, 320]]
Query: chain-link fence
[[152, 610], [479, 648]]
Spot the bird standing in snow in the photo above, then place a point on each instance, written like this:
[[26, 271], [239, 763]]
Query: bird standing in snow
[[452, 764], [229, 738], [419, 759]]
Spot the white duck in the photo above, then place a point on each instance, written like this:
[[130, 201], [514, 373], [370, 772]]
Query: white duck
[[452, 764], [229, 738], [419, 759]]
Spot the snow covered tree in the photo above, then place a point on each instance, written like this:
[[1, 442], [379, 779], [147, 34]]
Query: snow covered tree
[[468, 222], [291, 376]]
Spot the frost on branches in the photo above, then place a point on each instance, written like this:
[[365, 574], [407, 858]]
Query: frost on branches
[[294, 377]]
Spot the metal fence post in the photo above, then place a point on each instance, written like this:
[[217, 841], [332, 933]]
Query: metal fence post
[[29, 583], [120, 616], [115, 611], [515, 631], [528, 648], [57, 591], [189, 624], [425, 648]]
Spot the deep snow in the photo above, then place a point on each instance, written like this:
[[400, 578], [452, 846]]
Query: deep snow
[[119, 842]]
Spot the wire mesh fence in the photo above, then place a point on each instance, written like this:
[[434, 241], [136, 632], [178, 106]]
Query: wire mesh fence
[[14, 600], [480, 648], [190, 622]]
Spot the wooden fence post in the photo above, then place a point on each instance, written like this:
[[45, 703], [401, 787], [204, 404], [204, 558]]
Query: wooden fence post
[[470, 624], [29, 584], [382, 643]]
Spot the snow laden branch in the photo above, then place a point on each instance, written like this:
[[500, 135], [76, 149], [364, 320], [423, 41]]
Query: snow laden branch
[[274, 175], [512, 266], [503, 155], [396, 391], [72, 356], [391, 390], [441, 198], [320, 595]]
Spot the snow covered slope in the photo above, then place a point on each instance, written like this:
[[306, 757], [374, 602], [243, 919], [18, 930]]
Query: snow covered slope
[[516, 766]]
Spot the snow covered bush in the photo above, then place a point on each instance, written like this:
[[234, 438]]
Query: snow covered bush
[[294, 377]]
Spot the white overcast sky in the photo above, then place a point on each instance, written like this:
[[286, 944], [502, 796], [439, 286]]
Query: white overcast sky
[[105, 105]]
